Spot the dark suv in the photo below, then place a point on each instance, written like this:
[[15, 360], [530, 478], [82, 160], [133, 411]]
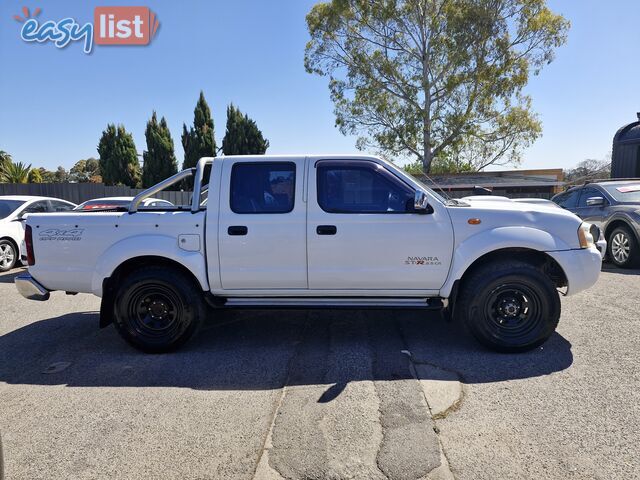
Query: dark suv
[[614, 206]]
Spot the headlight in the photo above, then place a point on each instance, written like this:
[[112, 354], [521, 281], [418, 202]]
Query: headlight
[[585, 236]]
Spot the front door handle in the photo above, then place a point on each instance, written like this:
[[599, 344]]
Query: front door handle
[[326, 229], [237, 230]]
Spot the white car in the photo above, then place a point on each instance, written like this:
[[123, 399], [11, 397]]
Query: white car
[[108, 203], [314, 231], [13, 209], [538, 201]]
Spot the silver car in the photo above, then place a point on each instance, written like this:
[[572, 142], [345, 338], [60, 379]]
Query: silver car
[[614, 206]]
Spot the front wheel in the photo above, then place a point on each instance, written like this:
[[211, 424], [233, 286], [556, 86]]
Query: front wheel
[[157, 309], [8, 255], [509, 307]]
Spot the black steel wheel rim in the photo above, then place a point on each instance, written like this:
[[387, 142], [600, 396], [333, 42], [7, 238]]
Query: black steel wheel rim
[[514, 313], [155, 311]]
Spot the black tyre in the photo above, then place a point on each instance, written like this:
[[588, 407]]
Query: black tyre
[[509, 306], [8, 255], [623, 248], [157, 309]]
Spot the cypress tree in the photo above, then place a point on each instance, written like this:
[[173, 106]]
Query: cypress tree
[[198, 141], [159, 158], [118, 157], [242, 136]]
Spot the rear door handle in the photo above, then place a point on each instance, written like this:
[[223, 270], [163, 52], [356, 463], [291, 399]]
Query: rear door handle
[[326, 229], [237, 230]]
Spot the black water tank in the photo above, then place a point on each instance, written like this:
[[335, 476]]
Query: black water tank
[[625, 158]]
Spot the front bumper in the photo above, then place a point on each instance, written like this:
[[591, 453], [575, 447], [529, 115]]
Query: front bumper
[[581, 266], [30, 289]]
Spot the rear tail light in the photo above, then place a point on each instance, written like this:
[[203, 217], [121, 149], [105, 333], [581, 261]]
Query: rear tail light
[[28, 240]]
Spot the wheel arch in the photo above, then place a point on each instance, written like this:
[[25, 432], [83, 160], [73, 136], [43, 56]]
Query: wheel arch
[[523, 242], [121, 271], [542, 260], [147, 260], [619, 222], [157, 249]]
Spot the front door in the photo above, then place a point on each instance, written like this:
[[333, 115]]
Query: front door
[[364, 235], [262, 225], [594, 214]]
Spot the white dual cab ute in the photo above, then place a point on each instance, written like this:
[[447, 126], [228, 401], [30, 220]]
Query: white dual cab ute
[[314, 231]]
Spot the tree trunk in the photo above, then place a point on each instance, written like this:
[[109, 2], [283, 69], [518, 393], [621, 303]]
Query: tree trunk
[[427, 158]]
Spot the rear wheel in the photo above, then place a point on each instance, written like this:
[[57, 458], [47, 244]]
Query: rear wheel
[[8, 255], [158, 309], [509, 307], [623, 248]]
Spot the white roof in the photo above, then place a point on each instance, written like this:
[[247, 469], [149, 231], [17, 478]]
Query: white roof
[[331, 156]]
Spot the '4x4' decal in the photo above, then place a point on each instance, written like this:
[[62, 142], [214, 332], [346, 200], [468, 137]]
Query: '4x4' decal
[[56, 234]]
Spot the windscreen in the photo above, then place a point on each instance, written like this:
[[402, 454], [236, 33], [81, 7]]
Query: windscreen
[[7, 207]]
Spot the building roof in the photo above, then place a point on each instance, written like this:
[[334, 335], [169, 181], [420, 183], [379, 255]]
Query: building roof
[[502, 179]]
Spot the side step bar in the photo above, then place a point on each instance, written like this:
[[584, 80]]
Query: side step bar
[[330, 303]]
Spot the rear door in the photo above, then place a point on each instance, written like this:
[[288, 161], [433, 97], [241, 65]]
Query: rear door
[[364, 235], [262, 225], [569, 200]]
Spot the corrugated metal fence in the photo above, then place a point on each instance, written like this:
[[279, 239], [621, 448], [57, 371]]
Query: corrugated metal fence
[[81, 192]]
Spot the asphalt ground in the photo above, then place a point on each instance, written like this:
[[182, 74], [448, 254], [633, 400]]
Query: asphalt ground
[[320, 394]]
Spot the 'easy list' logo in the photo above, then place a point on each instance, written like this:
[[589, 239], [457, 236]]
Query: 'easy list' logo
[[124, 25], [112, 26]]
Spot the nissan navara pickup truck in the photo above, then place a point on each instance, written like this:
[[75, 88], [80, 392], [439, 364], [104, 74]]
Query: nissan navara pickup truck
[[314, 231]]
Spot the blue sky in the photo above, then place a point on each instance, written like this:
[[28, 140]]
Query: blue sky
[[55, 103]]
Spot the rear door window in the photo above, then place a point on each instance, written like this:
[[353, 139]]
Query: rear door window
[[262, 187], [37, 207], [57, 206], [569, 199]]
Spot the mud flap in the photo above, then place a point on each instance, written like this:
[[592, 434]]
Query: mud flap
[[106, 305]]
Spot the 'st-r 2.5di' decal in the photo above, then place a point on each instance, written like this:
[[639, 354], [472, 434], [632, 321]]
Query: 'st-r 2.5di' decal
[[422, 261], [55, 234]]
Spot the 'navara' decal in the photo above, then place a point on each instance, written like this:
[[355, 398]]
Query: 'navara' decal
[[422, 261], [55, 234]]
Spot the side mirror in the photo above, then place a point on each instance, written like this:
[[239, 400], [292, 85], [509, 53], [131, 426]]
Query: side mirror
[[595, 202], [421, 203]]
